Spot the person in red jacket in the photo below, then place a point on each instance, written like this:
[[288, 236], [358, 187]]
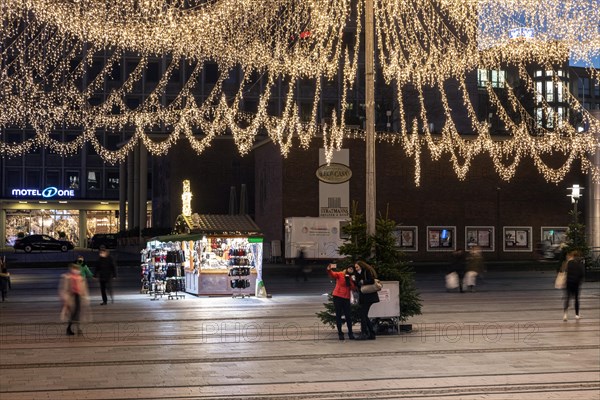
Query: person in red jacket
[[344, 284]]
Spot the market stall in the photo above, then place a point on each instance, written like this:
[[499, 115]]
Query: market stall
[[221, 255]]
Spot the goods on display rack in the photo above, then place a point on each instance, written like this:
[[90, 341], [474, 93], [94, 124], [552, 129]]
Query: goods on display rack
[[162, 272], [218, 261]]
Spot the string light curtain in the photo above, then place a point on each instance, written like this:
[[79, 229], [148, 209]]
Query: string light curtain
[[49, 46]]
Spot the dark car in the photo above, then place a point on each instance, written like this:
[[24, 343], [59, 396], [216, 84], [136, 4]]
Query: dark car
[[108, 240], [42, 242]]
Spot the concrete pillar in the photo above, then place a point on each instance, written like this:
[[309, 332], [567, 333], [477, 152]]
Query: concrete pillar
[[130, 191], [143, 187], [123, 196], [2, 227], [83, 228], [592, 211]]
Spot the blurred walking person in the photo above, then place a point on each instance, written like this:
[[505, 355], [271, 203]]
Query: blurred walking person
[[73, 292], [575, 275], [4, 280], [105, 272], [475, 268]]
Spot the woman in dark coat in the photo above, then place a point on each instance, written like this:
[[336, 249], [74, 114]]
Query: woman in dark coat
[[575, 275], [365, 275]]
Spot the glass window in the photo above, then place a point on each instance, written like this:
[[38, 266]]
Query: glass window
[[94, 179], [539, 92], [33, 178], [211, 73], [560, 117], [538, 73], [53, 178], [597, 88], [539, 117], [482, 78], [560, 91], [14, 178], [101, 222], [549, 117], [550, 91], [153, 71], [112, 180], [560, 72], [72, 180]]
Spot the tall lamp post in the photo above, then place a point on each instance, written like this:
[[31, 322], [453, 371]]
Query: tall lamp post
[[575, 195]]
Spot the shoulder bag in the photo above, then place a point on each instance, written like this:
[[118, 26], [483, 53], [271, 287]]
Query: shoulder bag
[[372, 288]]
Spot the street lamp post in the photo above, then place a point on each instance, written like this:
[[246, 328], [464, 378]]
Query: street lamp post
[[575, 195]]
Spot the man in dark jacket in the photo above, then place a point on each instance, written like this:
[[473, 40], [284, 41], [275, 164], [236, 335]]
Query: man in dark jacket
[[106, 271], [575, 274]]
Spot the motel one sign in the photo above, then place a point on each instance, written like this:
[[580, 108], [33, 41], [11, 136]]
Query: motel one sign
[[46, 193]]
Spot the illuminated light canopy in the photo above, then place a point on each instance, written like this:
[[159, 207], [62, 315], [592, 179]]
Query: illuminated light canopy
[[49, 47]]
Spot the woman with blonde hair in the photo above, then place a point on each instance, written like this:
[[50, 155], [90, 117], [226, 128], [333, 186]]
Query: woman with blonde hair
[[366, 275]]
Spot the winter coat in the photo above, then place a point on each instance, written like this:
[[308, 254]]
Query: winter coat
[[68, 282], [343, 285], [365, 277], [106, 269], [4, 281], [575, 272]]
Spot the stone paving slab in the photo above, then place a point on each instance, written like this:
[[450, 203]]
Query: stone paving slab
[[505, 341]]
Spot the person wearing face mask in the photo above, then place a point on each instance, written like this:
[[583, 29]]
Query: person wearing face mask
[[83, 268], [344, 284], [366, 275]]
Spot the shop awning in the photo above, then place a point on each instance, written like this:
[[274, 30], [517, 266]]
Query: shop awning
[[198, 225]]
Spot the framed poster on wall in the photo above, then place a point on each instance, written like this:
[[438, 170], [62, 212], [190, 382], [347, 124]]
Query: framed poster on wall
[[482, 236], [556, 235], [517, 238], [441, 238], [406, 238]]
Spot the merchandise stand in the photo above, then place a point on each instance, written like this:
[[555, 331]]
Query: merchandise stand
[[222, 255]]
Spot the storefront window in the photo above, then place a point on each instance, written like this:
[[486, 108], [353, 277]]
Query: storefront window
[[55, 223], [101, 222]]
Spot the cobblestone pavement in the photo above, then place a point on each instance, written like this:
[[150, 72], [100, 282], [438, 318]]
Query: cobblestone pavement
[[507, 340]]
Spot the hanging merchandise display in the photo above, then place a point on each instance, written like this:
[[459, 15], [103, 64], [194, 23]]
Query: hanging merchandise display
[[202, 265]]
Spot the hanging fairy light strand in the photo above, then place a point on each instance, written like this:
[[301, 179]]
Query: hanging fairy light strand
[[50, 47]]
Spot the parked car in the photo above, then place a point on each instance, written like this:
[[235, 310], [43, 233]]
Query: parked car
[[42, 242], [108, 240]]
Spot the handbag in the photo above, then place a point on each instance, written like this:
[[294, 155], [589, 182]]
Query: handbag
[[353, 297], [561, 280], [372, 288]]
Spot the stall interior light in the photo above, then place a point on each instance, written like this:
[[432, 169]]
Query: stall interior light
[[43, 202], [63, 202], [22, 202], [104, 202]]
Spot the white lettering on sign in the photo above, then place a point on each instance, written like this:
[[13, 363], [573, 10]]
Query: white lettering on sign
[[49, 192]]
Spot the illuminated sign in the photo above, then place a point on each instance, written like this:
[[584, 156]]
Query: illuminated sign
[[47, 193], [334, 173]]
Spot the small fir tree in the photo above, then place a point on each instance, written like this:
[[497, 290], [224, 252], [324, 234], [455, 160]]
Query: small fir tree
[[392, 266], [388, 261], [356, 247]]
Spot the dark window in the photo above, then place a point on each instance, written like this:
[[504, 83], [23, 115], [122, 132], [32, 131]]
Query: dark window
[[14, 179], [112, 180], [211, 73], [33, 178], [53, 178], [152, 72], [115, 73]]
